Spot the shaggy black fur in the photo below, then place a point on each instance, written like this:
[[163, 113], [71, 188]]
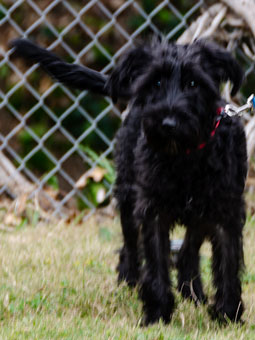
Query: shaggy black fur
[[171, 169]]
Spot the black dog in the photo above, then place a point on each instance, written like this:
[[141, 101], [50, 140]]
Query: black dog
[[179, 160]]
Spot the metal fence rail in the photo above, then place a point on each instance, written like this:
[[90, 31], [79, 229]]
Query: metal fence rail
[[82, 31]]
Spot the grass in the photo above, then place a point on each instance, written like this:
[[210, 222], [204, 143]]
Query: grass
[[59, 282]]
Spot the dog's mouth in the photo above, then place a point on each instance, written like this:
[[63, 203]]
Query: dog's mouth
[[169, 138], [172, 147]]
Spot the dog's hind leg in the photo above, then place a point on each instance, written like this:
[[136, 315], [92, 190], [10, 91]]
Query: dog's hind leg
[[155, 290], [189, 280], [227, 249], [128, 267]]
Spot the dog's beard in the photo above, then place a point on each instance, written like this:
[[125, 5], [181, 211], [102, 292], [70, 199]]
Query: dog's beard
[[169, 146], [172, 147]]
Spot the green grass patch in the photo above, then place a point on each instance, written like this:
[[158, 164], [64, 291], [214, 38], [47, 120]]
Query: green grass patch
[[59, 282]]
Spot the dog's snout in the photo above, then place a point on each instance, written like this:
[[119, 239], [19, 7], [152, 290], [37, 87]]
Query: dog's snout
[[169, 122]]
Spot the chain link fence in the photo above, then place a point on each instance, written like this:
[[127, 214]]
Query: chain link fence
[[56, 143]]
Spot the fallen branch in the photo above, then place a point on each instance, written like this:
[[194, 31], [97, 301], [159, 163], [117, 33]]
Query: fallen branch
[[24, 192], [13, 179], [245, 9], [205, 24], [215, 23]]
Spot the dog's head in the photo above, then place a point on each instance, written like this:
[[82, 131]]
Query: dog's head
[[176, 90]]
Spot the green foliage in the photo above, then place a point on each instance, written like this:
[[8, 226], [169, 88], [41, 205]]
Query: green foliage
[[96, 191], [2, 15], [53, 182], [4, 70], [103, 162]]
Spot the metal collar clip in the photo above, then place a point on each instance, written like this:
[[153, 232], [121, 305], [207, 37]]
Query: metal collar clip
[[232, 110]]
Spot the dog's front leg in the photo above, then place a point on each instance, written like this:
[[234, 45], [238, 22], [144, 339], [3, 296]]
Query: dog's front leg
[[155, 292], [227, 263], [128, 267], [189, 279]]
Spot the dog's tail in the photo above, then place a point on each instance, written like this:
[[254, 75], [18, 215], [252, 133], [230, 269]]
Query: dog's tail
[[72, 75]]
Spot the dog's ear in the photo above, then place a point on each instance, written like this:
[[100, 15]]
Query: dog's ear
[[130, 66], [72, 75], [220, 64]]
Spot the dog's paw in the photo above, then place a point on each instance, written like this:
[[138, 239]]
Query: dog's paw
[[153, 316], [226, 312], [156, 310]]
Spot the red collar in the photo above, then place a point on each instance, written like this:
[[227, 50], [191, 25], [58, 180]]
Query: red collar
[[220, 111]]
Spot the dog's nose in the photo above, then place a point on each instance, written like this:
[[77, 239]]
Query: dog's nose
[[169, 122]]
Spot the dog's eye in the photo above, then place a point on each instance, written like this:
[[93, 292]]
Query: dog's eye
[[158, 83], [192, 83]]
